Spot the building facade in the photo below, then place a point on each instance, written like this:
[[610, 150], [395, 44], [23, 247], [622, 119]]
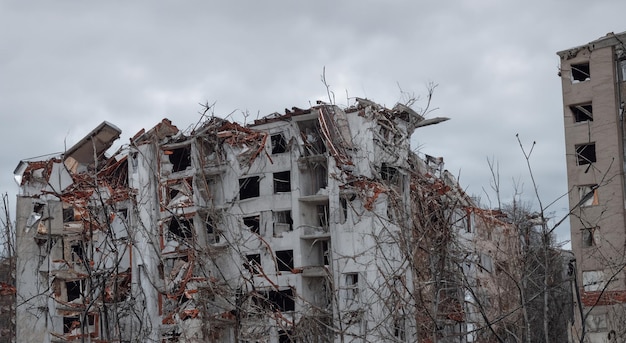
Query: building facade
[[317, 225], [593, 86]]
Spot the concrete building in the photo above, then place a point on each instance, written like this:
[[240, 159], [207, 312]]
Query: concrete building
[[592, 78], [317, 225]]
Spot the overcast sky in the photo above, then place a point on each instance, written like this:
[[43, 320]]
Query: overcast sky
[[66, 66]]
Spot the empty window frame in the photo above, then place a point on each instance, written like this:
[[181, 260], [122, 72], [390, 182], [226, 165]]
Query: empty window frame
[[580, 72], [252, 223], [343, 202], [389, 173], [249, 187], [74, 290], [253, 263], [281, 300], [588, 195], [282, 222], [279, 145], [597, 322], [590, 236], [582, 112], [585, 153], [212, 234], [180, 158], [282, 182], [352, 286], [284, 259], [70, 324], [180, 227]]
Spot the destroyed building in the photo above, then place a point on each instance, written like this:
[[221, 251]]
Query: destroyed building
[[317, 225]]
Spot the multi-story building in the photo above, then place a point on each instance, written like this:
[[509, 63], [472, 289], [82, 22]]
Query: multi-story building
[[317, 225], [594, 91]]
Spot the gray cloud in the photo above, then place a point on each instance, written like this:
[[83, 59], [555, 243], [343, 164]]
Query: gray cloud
[[66, 66]]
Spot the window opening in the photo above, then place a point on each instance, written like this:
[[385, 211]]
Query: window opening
[[211, 232], [73, 289], [284, 258], [284, 337], [588, 195], [253, 263], [582, 112], [593, 280], [622, 67], [68, 214], [352, 286], [325, 253], [282, 223], [281, 300], [279, 145], [590, 236], [180, 227], [78, 254], [323, 213], [253, 223], [70, 324], [586, 153], [282, 182], [249, 187], [344, 210], [390, 174], [180, 158], [580, 72]]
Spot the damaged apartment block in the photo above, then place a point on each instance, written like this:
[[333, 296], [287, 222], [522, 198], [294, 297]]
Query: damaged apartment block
[[297, 227]]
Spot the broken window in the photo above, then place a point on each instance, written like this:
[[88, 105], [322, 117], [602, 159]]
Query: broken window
[[282, 223], [325, 252], [322, 214], [352, 286], [590, 236], [281, 300], [580, 72], [582, 112], [311, 137], [390, 174], [593, 280], [588, 195], [211, 232], [70, 324], [73, 289], [180, 158], [314, 177], [253, 223], [284, 337], [181, 227], [249, 187], [284, 259], [585, 153], [343, 202], [279, 145], [253, 263], [78, 254], [68, 214], [282, 182]]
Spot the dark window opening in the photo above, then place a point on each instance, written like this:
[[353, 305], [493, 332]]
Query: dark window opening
[[282, 182], [68, 214], [249, 187], [322, 213], [38, 208], [78, 254], [583, 112], [282, 300], [312, 138], [282, 223], [284, 337], [586, 153], [324, 247], [253, 263], [352, 286], [91, 319], [390, 174], [179, 158], [211, 232], [344, 210], [580, 72], [253, 223], [73, 290], [589, 237], [181, 227], [70, 323], [284, 258], [279, 145]]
